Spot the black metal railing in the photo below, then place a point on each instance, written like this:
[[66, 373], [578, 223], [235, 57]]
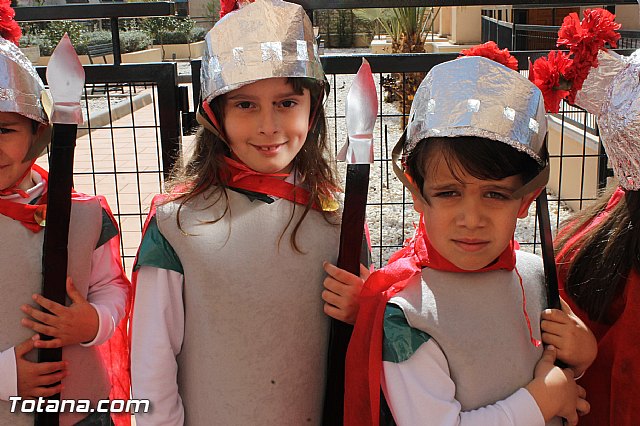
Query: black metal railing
[[390, 210], [130, 155], [129, 142], [538, 37]]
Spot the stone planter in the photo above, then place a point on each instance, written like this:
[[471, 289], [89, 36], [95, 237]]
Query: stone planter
[[362, 39], [32, 53], [142, 56], [172, 52]]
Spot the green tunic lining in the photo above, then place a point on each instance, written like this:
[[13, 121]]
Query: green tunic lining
[[400, 340], [156, 251], [109, 229]]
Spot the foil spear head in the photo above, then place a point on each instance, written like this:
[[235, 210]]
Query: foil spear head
[[65, 76], [361, 113]]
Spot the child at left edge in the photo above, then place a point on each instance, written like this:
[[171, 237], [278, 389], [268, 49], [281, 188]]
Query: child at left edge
[[90, 330]]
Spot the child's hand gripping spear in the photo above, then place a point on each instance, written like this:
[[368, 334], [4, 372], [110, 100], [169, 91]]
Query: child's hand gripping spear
[[65, 77], [361, 112]]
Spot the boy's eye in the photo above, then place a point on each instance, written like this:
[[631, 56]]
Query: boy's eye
[[498, 195], [4, 130], [288, 103], [445, 194], [243, 105]]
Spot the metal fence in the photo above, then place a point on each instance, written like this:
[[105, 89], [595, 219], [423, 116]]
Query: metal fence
[[132, 138], [390, 212], [128, 156], [129, 142]]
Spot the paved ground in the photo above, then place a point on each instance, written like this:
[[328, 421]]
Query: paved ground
[[105, 163]]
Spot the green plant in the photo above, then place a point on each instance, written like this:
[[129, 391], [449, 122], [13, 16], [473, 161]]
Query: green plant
[[46, 47], [198, 34], [133, 41], [408, 28], [29, 40], [157, 27], [179, 37], [213, 10], [96, 37], [56, 29]]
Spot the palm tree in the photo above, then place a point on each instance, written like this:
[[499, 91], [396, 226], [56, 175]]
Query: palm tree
[[408, 28]]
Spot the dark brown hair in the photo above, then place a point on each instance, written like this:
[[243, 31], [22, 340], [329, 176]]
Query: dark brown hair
[[599, 262], [482, 158], [207, 169]]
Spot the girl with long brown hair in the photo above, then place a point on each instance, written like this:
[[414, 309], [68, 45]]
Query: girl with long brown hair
[[229, 325]]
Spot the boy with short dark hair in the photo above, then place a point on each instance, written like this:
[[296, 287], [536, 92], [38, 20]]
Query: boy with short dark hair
[[450, 328]]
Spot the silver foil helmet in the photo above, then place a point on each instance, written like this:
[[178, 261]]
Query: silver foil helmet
[[20, 86], [612, 93], [476, 96], [22, 91], [264, 39]]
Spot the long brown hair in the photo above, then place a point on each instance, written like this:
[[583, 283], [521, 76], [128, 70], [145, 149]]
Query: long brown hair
[[206, 169], [599, 262]]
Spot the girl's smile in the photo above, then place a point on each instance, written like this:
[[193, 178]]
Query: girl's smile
[[266, 124]]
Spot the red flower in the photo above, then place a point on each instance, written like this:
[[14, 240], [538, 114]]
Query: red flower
[[227, 6], [596, 29], [490, 50], [547, 74], [600, 26], [584, 40], [9, 28], [570, 33], [561, 75]]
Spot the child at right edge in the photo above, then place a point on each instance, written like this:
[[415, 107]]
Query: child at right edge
[[450, 329]]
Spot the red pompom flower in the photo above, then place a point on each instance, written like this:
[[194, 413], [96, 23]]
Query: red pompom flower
[[227, 6], [583, 39], [597, 28], [490, 50], [9, 28], [547, 74]]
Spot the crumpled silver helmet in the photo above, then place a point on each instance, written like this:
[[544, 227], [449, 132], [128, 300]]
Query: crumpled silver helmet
[[612, 93], [264, 39], [476, 96], [22, 91]]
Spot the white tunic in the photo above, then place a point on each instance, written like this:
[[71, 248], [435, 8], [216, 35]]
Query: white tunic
[[99, 278], [241, 338], [477, 355]]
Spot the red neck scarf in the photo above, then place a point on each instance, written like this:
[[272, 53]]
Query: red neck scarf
[[14, 188], [364, 356], [242, 177], [32, 216]]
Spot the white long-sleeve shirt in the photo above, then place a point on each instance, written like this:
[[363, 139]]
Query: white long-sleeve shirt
[[158, 329], [420, 391]]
